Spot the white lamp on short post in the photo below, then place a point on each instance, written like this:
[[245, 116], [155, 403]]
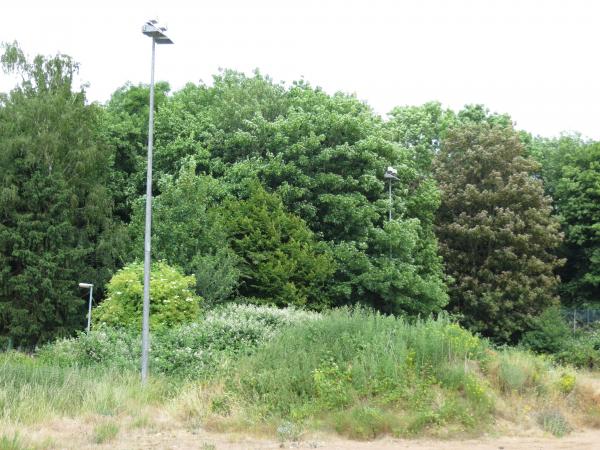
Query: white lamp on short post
[[89, 286]]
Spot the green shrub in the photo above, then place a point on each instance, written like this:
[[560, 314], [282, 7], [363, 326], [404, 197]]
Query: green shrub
[[549, 332], [519, 371], [333, 385], [172, 298], [581, 351], [566, 383], [554, 422]]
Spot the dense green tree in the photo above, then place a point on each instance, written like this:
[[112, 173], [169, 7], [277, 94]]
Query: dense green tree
[[577, 199], [421, 129], [125, 129], [55, 212], [188, 233], [282, 262], [552, 154], [324, 156], [496, 231]]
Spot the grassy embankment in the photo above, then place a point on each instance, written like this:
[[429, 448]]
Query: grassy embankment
[[288, 373]]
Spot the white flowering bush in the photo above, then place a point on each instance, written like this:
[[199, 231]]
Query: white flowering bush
[[193, 350]]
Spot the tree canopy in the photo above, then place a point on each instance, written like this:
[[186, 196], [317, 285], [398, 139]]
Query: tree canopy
[[274, 193], [56, 222], [496, 230]]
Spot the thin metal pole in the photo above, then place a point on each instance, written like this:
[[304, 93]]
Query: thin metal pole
[[147, 262], [390, 212], [390, 194], [89, 325]]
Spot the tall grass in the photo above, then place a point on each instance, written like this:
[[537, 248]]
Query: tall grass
[[31, 391], [360, 359], [352, 371]]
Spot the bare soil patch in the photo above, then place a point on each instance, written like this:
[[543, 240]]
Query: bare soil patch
[[79, 434]]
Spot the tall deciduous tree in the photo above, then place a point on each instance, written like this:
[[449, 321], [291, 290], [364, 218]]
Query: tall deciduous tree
[[125, 128], [55, 227], [496, 231], [324, 156], [577, 199]]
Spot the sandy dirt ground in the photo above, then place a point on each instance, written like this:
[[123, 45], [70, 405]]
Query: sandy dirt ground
[[66, 434]]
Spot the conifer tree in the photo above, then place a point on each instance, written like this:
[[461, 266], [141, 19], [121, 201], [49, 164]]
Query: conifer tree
[[55, 214]]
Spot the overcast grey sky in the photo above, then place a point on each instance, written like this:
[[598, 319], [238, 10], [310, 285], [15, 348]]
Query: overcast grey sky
[[538, 60]]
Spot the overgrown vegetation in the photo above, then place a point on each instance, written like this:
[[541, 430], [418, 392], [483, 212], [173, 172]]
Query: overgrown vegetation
[[190, 351], [286, 372], [273, 195]]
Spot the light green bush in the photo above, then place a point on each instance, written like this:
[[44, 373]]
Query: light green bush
[[172, 298], [519, 371]]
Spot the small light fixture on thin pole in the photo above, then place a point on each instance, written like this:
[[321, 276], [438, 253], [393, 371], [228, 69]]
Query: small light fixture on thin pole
[[89, 286], [157, 33], [390, 175]]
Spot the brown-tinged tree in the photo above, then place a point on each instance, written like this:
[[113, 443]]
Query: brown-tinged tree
[[496, 230]]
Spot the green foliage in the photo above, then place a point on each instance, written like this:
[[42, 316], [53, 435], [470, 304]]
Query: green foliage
[[581, 350], [172, 300], [566, 383], [496, 231], [324, 156], [333, 386], [551, 334], [55, 212], [548, 332], [421, 128], [577, 198], [188, 234], [356, 356], [192, 351], [125, 128], [282, 263]]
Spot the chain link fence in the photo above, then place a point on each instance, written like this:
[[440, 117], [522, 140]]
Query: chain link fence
[[581, 317]]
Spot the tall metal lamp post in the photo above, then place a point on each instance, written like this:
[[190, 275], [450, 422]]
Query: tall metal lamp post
[[89, 286], [157, 33], [390, 175]]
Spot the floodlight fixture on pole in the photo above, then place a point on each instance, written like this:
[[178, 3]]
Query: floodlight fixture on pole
[[153, 30], [89, 286], [390, 175]]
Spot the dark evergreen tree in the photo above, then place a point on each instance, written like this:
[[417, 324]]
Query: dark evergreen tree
[[55, 212]]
